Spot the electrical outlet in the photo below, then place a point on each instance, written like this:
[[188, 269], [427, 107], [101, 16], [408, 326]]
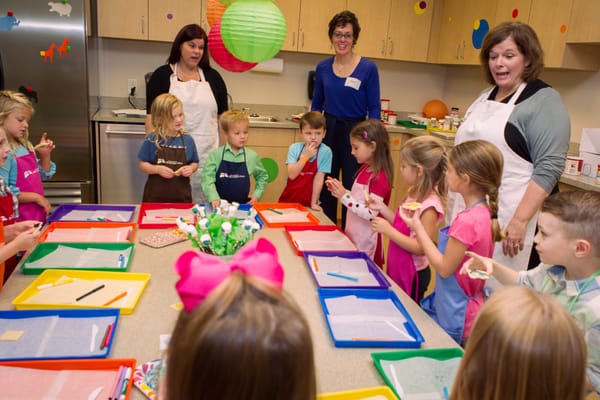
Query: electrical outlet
[[131, 84]]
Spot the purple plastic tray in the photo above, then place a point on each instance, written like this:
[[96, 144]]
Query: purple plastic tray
[[127, 212], [382, 282]]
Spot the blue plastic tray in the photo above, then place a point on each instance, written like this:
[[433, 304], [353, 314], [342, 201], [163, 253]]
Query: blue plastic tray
[[382, 282], [77, 334], [410, 326], [62, 210]]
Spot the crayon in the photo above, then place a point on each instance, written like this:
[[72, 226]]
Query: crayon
[[350, 278], [94, 290]]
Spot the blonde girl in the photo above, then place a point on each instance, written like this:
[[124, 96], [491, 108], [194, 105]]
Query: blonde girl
[[422, 167], [167, 154], [474, 171], [371, 147], [524, 345], [24, 171]]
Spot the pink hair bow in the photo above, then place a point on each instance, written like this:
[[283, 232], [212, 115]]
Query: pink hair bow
[[200, 273]]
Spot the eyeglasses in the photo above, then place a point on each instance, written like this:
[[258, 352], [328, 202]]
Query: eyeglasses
[[339, 35]]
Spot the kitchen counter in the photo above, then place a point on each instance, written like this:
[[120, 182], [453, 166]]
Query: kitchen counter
[[580, 182]]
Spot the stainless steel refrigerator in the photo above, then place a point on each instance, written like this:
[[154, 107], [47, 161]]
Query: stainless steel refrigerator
[[43, 54]]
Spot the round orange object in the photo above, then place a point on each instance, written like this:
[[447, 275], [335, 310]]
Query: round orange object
[[435, 109]]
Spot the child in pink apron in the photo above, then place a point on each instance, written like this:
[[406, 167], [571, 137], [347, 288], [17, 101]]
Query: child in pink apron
[[422, 166], [371, 147], [474, 171], [26, 171]]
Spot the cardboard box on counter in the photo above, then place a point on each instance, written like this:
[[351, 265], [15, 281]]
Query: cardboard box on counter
[[589, 150]]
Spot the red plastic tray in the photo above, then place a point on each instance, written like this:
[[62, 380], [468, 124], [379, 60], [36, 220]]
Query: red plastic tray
[[157, 206], [262, 207], [325, 228], [87, 225]]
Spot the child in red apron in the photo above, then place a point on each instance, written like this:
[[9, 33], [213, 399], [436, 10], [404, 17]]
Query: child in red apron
[[307, 163], [422, 166], [167, 154], [14, 237], [474, 171], [226, 174], [371, 147], [24, 174]]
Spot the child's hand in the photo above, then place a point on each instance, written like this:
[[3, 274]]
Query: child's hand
[[45, 146], [316, 207], [12, 230], [43, 202], [252, 199], [310, 150], [477, 262], [26, 240], [185, 171], [215, 203], [335, 187], [165, 172], [410, 217], [381, 225], [376, 204]]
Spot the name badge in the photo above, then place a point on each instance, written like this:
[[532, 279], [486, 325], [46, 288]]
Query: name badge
[[353, 83]]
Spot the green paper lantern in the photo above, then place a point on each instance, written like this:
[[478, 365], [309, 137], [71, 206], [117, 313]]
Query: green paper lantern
[[253, 30]]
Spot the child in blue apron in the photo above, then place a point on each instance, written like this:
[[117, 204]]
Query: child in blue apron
[[227, 171], [24, 172], [168, 155], [307, 163], [370, 143], [474, 171], [14, 237], [422, 166]]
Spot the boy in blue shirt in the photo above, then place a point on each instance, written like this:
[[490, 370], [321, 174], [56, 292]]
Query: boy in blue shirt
[[568, 242], [307, 163]]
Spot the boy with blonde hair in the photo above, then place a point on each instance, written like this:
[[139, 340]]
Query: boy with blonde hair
[[568, 242], [226, 173]]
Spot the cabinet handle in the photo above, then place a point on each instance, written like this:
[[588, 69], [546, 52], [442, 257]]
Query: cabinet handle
[[302, 41], [391, 47], [458, 51], [462, 50], [382, 46], [142, 21], [293, 39]]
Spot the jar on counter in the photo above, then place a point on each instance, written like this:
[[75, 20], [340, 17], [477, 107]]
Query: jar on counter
[[598, 175]]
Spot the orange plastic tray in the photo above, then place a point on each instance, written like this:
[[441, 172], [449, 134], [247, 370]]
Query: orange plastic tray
[[87, 225], [262, 207], [87, 364], [158, 206]]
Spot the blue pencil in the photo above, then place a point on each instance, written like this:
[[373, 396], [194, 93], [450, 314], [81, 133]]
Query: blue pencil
[[350, 278]]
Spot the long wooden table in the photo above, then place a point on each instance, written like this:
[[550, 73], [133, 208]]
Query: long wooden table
[[138, 334]]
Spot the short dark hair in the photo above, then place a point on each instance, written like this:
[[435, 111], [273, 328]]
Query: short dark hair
[[313, 119], [343, 18], [185, 34], [526, 40]]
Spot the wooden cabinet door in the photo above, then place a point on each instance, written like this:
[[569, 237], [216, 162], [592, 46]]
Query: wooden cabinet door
[[550, 24], [583, 25], [166, 18], [409, 31], [513, 10], [373, 17], [458, 20], [314, 24], [291, 11], [125, 20], [272, 146]]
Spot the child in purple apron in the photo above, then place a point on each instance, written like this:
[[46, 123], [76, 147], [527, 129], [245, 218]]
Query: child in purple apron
[[422, 167], [168, 155], [474, 171], [307, 163], [26, 171], [371, 147], [226, 174]]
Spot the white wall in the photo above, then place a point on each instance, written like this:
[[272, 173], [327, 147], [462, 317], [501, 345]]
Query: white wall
[[408, 85]]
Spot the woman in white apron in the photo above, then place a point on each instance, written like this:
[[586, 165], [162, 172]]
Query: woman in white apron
[[200, 88], [527, 120]]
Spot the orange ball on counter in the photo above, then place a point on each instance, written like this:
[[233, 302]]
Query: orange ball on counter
[[435, 109]]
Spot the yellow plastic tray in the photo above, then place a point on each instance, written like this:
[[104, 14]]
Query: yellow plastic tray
[[378, 392], [96, 300]]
